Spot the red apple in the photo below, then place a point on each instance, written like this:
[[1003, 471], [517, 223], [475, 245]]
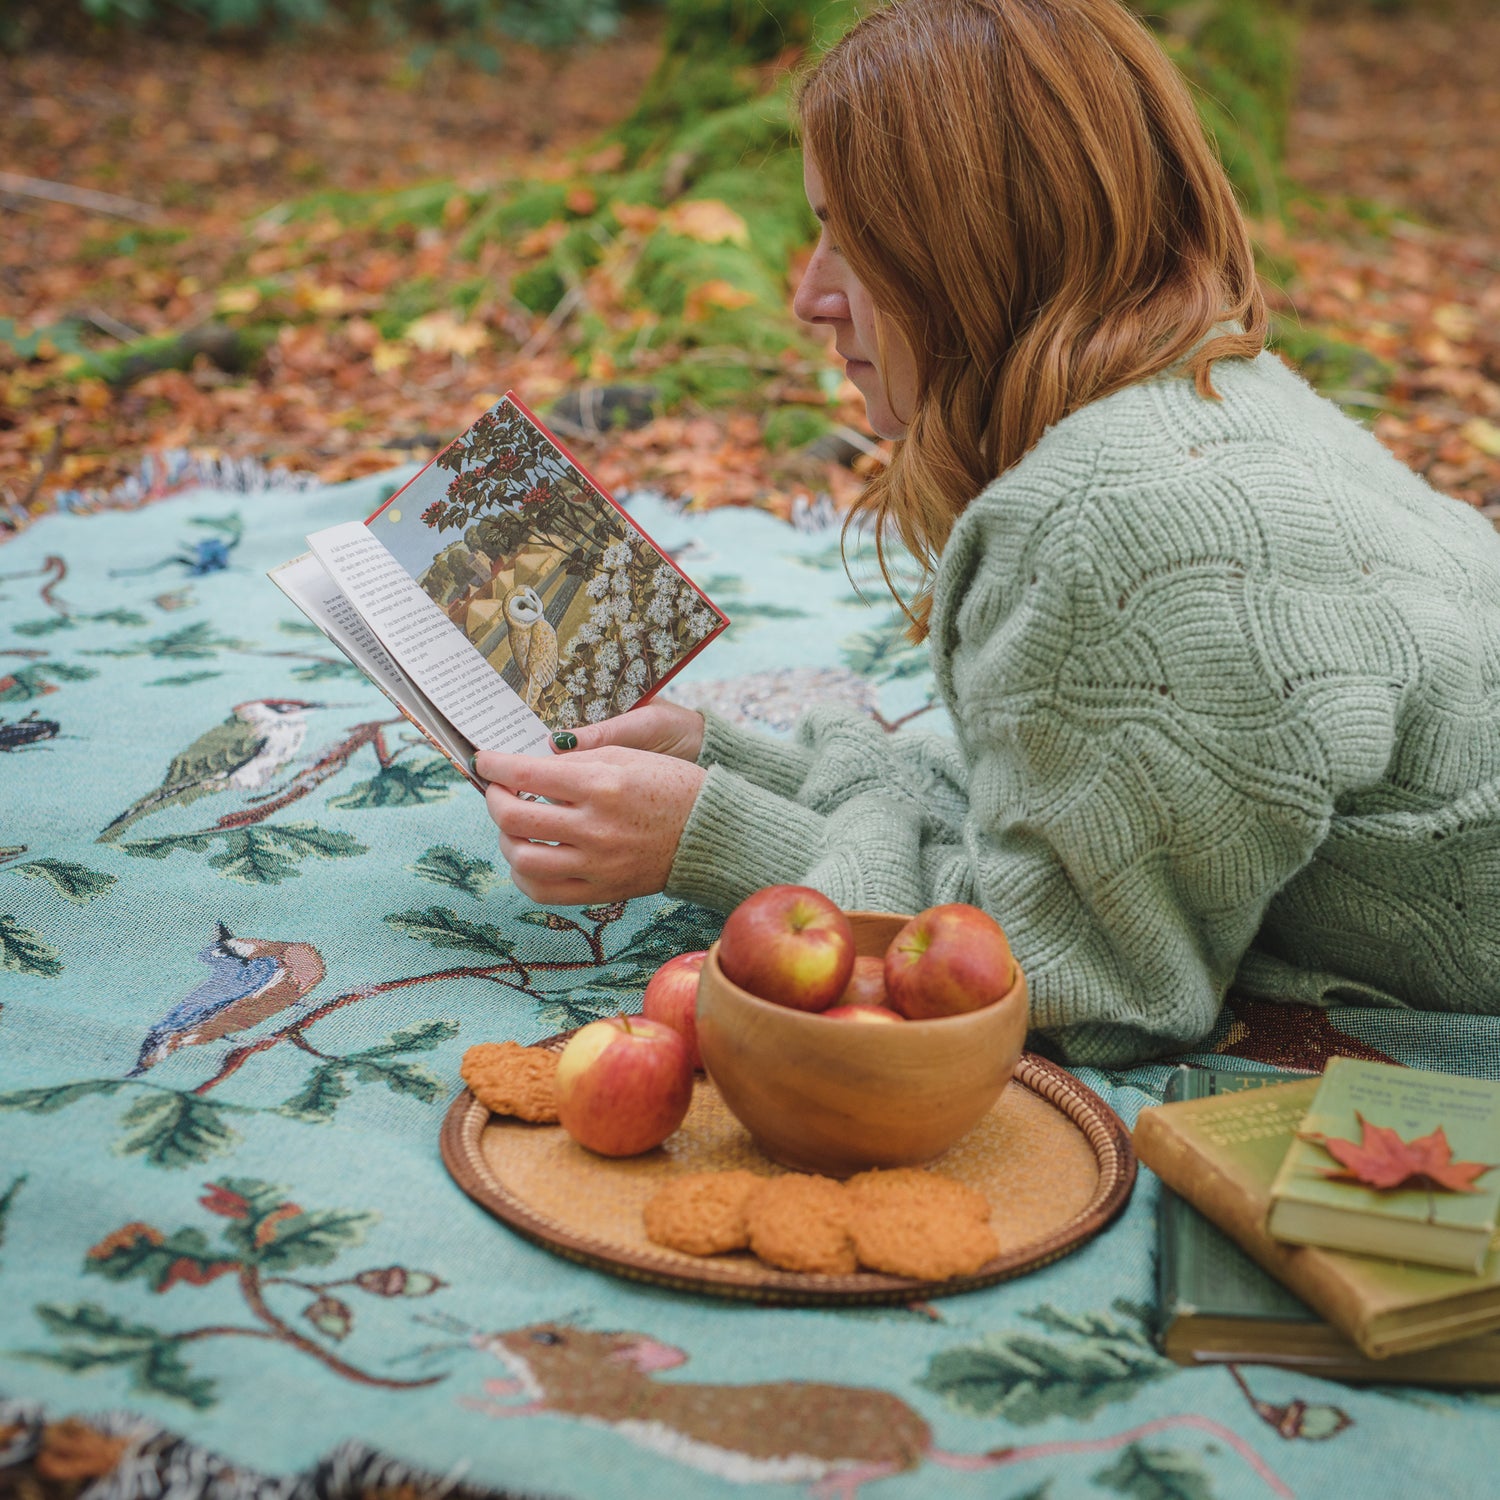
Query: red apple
[[623, 1085], [948, 960], [672, 998], [861, 1013], [790, 945], [866, 983]]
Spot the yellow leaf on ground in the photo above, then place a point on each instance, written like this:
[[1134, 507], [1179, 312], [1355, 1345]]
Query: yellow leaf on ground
[[709, 221], [1455, 321], [442, 333], [1483, 435], [310, 297], [387, 356], [239, 299]]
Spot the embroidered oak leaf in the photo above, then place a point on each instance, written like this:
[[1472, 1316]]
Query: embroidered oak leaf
[[219, 1200], [1380, 1159]]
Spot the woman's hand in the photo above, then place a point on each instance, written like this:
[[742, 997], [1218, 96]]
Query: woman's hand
[[664, 728], [608, 830]]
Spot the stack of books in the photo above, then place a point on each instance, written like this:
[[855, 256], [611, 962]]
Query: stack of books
[[1265, 1172]]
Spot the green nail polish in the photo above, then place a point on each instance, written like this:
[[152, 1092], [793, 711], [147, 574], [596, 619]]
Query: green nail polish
[[565, 741]]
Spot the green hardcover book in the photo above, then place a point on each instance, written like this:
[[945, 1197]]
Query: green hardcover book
[[1217, 1306], [1373, 1123]]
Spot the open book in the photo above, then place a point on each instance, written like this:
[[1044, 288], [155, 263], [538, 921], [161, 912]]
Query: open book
[[502, 595]]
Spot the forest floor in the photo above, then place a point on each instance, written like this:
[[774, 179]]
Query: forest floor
[[1384, 265]]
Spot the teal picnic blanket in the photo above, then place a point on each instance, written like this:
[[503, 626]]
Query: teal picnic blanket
[[236, 1253]]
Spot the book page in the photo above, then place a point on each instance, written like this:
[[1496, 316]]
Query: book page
[[426, 644], [306, 583]]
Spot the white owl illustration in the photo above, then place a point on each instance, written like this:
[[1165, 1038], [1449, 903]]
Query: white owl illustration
[[533, 641]]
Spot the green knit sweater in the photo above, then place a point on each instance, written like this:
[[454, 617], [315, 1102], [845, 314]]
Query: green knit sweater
[[1226, 684]]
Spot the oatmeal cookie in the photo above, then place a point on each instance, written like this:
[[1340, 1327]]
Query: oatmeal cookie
[[701, 1213], [801, 1223], [916, 1185], [925, 1240], [513, 1080]]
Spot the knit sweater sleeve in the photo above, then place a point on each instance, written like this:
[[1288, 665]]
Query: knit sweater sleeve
[[762, 816]]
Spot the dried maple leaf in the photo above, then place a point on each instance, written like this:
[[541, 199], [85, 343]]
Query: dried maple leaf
[[1382, 1160]]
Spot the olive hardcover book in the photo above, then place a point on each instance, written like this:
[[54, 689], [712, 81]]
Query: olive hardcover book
[[1216, 1306], [502, 594], [1222, 1153], [1396, 1162]]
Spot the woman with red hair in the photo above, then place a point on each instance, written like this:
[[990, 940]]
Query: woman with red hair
[[1225, 676]]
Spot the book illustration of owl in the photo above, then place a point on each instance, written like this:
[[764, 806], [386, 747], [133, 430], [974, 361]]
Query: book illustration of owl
[[533, 641]]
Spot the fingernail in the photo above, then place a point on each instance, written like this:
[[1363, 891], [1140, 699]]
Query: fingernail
[[474, 766], [565, 741]]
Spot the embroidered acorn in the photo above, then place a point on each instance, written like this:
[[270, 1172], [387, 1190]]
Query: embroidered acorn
[[397, 1281], [331, 1316]]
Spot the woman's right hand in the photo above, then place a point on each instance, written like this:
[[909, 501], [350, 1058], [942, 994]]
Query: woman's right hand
[[666, 728]]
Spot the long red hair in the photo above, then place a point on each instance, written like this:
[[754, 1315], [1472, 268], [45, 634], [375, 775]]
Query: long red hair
[[1026, 192]]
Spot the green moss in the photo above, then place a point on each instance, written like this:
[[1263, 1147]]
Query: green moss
[[405, 303], [720, 379], [346, 207], [744, 130], [789, 427], [578, 251], [768, 197], [706, 128], [1336, 368], [419, 207], [130, 242], [467, 295], [757, 30], [671, 266], [540, 289], [710, 57], [534, 204], [238, 350], [513, 211], [1240, 58], [685, 89]]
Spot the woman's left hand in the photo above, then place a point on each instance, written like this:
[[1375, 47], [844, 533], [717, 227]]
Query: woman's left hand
[[608, 829]]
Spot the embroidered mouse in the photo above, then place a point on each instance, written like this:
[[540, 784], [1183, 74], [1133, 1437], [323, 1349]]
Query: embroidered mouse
[[835, 1438]]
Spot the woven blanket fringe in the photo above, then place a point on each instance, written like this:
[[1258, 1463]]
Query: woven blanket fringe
[[156, 1464]]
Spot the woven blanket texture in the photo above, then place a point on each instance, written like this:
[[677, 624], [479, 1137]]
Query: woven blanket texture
[[236, 1256]]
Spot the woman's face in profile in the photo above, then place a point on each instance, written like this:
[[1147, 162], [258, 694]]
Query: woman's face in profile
[[830, 294]]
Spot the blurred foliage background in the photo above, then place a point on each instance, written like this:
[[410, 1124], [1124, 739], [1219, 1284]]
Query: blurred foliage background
[[712, 129], [473, 27], [656, 256]]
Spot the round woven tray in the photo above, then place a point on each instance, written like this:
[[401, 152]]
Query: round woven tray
[[1053, 1159]]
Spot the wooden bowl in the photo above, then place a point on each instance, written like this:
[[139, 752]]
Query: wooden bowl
[[837, 1097]]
